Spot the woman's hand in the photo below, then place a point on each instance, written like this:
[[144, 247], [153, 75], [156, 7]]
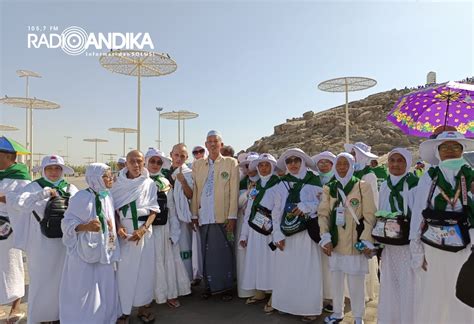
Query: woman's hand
[[138, 234], [122, 233], [327, 249], [280, 245]]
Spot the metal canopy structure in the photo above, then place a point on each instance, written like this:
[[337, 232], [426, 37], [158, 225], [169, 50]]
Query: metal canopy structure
[[95, 140], [140, 64], [123, 130], [30, 104], [7, 128], [347, 84], [180, 115], [27, 74]]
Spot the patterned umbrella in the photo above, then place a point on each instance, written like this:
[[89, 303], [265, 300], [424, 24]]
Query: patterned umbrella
[[420, 113], [9, 145]]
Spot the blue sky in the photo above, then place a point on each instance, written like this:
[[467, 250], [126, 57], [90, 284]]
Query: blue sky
[[243, 66]]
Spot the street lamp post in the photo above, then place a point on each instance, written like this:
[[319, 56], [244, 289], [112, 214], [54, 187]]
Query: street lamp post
[[67, 147], [159, 109]]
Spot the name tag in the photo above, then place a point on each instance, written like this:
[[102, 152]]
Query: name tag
[[111, 242], [340, 217], [5, 229], [259, 220], [379, 229]]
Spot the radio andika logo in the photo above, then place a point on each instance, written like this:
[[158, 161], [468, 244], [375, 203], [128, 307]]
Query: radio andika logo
[[75, 40]]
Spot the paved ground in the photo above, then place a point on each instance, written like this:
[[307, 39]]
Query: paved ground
[[214, 310]]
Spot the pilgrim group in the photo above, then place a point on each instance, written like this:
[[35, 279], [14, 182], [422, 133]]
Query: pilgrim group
[[297, 235]]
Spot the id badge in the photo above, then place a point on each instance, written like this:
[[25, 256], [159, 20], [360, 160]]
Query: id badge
[[452, 236], [340, 217], [379, 229], [111, 242], [259, 220], [392, 229], [433, 234]]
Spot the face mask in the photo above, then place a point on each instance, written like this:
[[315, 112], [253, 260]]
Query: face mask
[[453, 164], [254, 178], [103, 193], [358, 166], [327, 174]]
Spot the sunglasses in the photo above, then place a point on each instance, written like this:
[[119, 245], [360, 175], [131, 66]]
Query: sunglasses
[[454, 147], [158, 162], [201, 151], [293, 160]]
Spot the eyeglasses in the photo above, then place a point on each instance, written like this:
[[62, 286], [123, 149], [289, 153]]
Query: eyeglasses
[[450, 147], [201, 151], [158, 162], [293, 160], [108, 176]]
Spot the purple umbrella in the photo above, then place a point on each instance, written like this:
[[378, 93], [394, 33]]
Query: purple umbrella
[[420, 113]]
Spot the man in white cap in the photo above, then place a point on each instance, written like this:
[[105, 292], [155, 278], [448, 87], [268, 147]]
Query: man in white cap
[[13, 177], [442, 229], [134, 195], [41, 206], [214, 208]]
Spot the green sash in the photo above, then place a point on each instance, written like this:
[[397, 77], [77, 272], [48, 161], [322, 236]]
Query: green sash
[[359, 174], [133, 207], [441, 182], [333, 192], [395, 191], [98, 209], [60, 187], [17, 171], [274, 180]]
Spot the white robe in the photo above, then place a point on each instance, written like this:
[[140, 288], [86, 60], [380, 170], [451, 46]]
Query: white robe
[[89, 290], [171, 277], [241, 252], [136, 269], [397, 278], [371, 279], [45, 255], [259, 265], [180, 220], [435, 300], [297, 287], [12, 282]]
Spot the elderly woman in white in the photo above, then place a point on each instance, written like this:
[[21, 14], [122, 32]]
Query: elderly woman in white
[[42, 239], [441, 230], [171, 277], [297, 287], [89, 292], [264, 208]]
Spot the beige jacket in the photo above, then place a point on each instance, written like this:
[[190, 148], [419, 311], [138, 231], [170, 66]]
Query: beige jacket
[[362, 202], [226, 187]]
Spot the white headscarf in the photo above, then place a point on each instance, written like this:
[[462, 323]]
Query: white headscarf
[[408, 159], [302, 171], [206, 152], [94, 173], [349, 173], [154, 152]]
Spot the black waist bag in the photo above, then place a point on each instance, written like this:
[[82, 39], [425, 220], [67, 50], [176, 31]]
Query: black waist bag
[[266, 228], [396, 231], [161, 218], [53, 215], [444, 221], [313, 229]]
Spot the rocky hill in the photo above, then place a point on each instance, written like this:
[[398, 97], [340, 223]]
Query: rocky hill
[[317, 132]]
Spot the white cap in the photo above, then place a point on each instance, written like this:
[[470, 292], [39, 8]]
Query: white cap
[[54, 160]]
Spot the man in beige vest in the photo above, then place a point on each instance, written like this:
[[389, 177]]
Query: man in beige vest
[[214, 208]]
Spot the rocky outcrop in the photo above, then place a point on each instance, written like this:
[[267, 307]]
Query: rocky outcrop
[[316, 132]]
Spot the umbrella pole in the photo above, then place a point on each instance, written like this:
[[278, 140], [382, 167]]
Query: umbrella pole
[[447, 112], [31, 138], [347, 111]]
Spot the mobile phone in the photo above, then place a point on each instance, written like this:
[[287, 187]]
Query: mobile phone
[[469, 157]]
